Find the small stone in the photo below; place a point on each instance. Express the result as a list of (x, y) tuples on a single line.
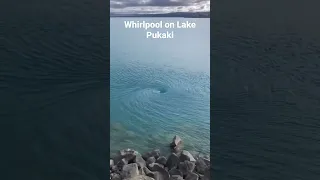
[(175, 172), (172, 161), (130, 171), (192, 176), (186, 156), (155, 167), (162, 160), (186, 167), (176, 177)]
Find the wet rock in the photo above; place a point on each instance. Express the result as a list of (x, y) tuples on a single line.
[(186, 156), (176, 141), (192, 176), (128, 154), (186, 167), (130, 171), (161, 175), (201, 166), (207, 174), (155, 153), (206, 159), (176, 144), (155, 167), (140, 177), (122, 163), (172, 161), (175, 172), (111, 163), (114, 168), (176, 177), (115, 176), (140, 161), (141, 171), (146, 155), (148, 172), (162, 160), (151, 160)]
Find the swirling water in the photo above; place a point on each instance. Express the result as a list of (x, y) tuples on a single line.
[(160, 88)]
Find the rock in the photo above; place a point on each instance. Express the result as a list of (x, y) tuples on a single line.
[(146, 155), (141, 171), (206, 159), (141, 177), (161, 175), (115, 168), (207, 174), (115, 177), (130, 171), (155, 153), (162, 160), (151, 160), (148, 172), (186, 156), (176, 144), (176, 141), (176, 177), (201, 166), (140, 161), (192, 176), (128, 154), (175, 172), (155, 167), (201, 177), (122, 163), (186, 167), (172, 161), (111, 163)]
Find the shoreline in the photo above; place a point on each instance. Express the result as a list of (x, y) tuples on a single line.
[(180, 164)]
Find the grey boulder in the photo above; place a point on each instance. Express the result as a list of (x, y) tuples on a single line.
[(173, 161), (130, 171), (186, 156)]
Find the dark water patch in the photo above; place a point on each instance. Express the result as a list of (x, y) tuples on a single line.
[(265, 93), (53, 78)]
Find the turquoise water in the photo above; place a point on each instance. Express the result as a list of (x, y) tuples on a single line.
[(160, 87)]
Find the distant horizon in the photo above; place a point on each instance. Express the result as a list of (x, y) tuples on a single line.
[(164, 14), (134, 8)]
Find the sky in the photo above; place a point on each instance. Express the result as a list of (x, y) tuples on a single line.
[(158, 6)]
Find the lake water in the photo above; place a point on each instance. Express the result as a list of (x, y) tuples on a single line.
[(160, 87)]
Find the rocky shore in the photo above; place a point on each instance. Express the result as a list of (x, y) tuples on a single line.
[(179, 165)]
